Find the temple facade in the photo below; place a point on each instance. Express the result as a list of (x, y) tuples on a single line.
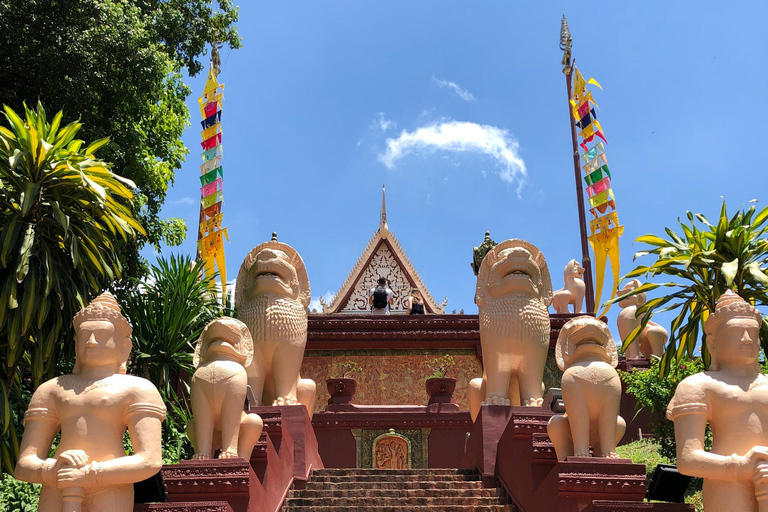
[(393, 351), (382, 257)]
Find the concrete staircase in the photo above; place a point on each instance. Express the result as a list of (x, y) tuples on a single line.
[(377, 490)]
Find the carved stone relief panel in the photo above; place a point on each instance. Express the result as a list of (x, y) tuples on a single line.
[(391, 451), (383, 264)]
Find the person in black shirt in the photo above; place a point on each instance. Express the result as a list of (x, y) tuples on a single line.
[(415, 303)]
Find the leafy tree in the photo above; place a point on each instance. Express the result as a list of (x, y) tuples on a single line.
[(704, 262), (60, 214), (168, 312), (117, 64)]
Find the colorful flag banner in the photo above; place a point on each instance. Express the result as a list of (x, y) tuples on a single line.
[(216, 197), (207, 190), (596, 163), (212, 211), (599, 187), (598, 149), (582, 106), (586, 120), (211, 142), (211, 234), (211, 164), (210, 224), (211, 120), (579, 84), (208, 177), (605, 244), (604, 227), (210, 132), (212, 249), (597, 175), (208, 154)]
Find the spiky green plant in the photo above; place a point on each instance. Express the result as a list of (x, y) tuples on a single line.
[(61, 210), (704, 262), (168, 312)]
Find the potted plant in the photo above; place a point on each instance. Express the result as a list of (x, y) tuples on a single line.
[(440, 388), (343, 388)]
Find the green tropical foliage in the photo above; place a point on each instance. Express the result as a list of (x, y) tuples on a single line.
[(16, 496), (61, 211), (703, 262), (168, 312), (654, 394), (118, 65)]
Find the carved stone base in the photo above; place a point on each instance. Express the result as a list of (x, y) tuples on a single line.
[(596, 478), (201, 481), (543, 450), (202, 506), (294, 420), (483, 441)]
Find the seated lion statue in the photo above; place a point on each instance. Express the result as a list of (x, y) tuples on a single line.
[(514, 291), (271, 297)]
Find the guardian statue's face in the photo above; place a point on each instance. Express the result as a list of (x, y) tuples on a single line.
[(272, 272), (99, 343)]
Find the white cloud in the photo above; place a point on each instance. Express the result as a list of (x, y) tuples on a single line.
[(382, 123), (315, 303), (460, 136), (358, 143), (184, 200), (461, 93)]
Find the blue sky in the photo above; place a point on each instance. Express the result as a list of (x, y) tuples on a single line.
[(321, 90)]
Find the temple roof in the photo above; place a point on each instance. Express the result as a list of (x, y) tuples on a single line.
[(382, 257)]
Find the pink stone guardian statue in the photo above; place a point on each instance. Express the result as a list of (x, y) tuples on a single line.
[(573, 289), (591, 388), (514, 291), (218, 391), (272, 297), (652, 340), (733, 397), (92, 408)]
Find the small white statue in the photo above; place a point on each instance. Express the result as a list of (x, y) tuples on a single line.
[(572, 292), (591, 391), (218, 390), (652, 340), (513, 294)]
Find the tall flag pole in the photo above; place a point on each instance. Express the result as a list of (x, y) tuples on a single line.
[(604, 228), (565, 45), (211, 234)]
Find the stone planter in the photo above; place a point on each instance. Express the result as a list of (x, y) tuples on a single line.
[(341, 390), (440, 390)]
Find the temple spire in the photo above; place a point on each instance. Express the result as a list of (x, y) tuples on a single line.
[(383, 228)]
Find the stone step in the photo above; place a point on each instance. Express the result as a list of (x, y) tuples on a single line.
[(371, 471), (338, 486), (420, 477), (402, 501), (386, 493), (425, 508)]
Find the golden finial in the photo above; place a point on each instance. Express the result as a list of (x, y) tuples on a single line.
[(383, 228), (215, 58), (565, 45)]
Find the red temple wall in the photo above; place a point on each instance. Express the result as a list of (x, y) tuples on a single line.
[(389, 377)]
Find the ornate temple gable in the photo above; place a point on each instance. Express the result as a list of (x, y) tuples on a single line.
[(382, 257)]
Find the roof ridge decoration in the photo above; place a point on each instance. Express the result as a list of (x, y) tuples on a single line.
[(381, 237)]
